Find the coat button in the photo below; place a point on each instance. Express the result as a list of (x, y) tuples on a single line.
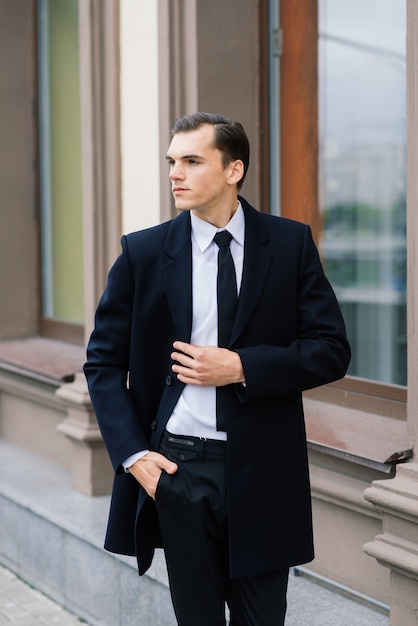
[(153, 425), (168, 380)]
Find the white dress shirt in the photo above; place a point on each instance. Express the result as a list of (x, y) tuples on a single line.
[(195, 411)]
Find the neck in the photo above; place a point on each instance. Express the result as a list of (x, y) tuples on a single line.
[(220, 215)]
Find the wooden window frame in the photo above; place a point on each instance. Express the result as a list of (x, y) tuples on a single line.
[(299, 113), (299, 163)]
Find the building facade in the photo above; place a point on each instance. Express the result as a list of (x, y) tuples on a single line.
[(328, 93)]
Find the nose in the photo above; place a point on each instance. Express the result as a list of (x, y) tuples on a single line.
[(176, 171)]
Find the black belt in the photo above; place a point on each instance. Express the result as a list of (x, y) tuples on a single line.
[(197, 447)]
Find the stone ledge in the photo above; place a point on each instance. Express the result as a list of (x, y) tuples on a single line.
[(397, 547), (39, 372), (361, 437), (42, 359)]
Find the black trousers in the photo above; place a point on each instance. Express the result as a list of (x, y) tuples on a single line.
[(191, 507)]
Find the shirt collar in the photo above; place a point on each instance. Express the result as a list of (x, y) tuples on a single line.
[(203, 232)]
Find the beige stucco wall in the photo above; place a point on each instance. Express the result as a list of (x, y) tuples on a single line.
[(228, 71), (18, 176), (177, 58)]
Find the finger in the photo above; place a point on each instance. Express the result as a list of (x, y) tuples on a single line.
[(185, 365), (180, 345), (171, 468), (182, 358), (184, 372), (166, 465), (190, 381), (186, 348)]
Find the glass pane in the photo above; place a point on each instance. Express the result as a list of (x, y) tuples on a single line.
[(362, 65), (60, 139)]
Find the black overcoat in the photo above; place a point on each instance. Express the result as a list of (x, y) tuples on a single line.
[(290, 336)]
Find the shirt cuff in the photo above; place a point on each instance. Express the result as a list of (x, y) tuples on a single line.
[(133, 459)]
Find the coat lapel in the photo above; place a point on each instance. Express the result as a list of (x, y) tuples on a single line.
[(257, 261), (177, 274)]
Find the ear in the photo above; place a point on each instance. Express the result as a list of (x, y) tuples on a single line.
[(235, 172)]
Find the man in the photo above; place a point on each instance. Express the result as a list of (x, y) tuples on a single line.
[(229, 501)]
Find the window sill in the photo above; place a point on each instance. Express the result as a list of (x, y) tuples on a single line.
[(374, 436), (360, 435), (45, 360)]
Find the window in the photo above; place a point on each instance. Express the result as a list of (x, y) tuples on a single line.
[(343, 163), (362, 137), (60, 165)]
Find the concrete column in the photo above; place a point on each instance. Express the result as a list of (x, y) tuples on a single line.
[(397, 499), (397, 547), (209, 61), (91, 471), (100, 145)]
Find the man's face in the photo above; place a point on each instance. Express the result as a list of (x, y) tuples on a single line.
[(199, 182)]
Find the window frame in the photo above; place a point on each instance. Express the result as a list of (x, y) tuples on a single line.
[(100, 161), (299, 164), (69, 332)]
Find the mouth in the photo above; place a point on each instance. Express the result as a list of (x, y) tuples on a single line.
[(178, 189)]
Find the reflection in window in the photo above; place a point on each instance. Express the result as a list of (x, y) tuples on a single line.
[(362, 65)]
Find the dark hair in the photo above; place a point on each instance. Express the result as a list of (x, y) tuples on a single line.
[(229, 137)]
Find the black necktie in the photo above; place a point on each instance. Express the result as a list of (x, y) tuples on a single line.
[(227, 304)]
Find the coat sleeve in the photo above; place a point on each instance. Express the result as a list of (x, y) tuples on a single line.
[(107, 366), (319, 354)]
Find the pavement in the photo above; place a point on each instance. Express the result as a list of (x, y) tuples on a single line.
[(21, 605), (310, 603)]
